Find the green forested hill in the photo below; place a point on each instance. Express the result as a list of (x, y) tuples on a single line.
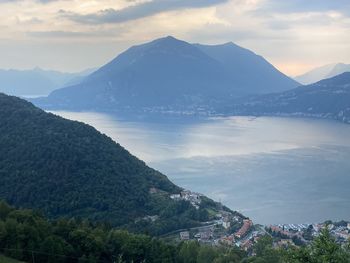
[(67, 168)]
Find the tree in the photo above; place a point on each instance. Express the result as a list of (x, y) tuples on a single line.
[(323, 249), (206, 254), (188, 252)]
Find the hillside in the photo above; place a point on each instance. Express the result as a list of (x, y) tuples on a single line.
[(67, 168), (329, 98), (168, 74), (251, 72)]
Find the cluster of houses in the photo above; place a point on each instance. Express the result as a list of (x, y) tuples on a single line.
[(192, 197), (203, 234), (225, 219), (219, 233), (288, 233), (238, 238)]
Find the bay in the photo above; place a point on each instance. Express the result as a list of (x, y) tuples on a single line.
[(274, 170)]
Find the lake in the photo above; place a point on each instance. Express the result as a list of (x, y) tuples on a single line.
[(274, 170)]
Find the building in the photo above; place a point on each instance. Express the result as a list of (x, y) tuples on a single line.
[(205, 235), (244, 229), (246, 245), (226, 223), (229, 240), (175, 196), (185, 235)]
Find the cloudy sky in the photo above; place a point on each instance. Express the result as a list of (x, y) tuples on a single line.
[(72, 35)]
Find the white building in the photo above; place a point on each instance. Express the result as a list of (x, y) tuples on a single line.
[(226, 224), (185, 235)]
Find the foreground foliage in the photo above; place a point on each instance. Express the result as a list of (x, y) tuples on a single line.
[(323, 249), (25, 235)]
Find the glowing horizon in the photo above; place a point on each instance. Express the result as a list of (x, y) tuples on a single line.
[(74, 35)]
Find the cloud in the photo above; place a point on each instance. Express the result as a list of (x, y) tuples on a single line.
[(58, 34), (302, 6), (40, 1), (136, 11), (75, 34)]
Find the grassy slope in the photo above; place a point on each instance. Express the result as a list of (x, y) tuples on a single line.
[(4, 259)]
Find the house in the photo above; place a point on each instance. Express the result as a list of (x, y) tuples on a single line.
[(151, 218), (185, 235), (206, 235), (226, 222), (244, 229), (229, 240), (236, 218), (246, 245), (153, 190), (226, 225), (175, 196)]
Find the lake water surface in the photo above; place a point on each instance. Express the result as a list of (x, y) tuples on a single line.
[(274, 170)]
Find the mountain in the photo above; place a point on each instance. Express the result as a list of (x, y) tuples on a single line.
[(36, 82), (329, 98), (170, 74), (327, 71), (339, 69), (67, 168), (251, 72)]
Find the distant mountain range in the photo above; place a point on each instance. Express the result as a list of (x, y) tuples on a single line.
[(37, 82), (68, 169), (323, 72), (173, 75), (329, 98)]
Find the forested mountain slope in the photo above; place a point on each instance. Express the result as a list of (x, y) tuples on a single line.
[(67, 168)]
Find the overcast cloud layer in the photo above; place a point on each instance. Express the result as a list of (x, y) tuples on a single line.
[(71, 35)]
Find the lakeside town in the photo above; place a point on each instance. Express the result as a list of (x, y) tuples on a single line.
[(230, 229)]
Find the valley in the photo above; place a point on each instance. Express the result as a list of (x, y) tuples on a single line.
[(182, 131)]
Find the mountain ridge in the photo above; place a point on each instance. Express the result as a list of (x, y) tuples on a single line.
[(323, 72), (165, 73), (36, 81), (328, 98)]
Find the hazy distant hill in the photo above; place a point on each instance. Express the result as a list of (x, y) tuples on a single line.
[(323, 72), (36, 82), (329, 98), (174, 75), (67, 168)]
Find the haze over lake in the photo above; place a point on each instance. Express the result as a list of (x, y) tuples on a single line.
[(274, 170)]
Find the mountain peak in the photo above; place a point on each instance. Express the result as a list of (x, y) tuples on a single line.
[(229, 44), (169, 41), (170, 38), (174, 74)]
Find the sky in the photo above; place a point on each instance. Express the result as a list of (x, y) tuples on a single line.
[(73, 35)]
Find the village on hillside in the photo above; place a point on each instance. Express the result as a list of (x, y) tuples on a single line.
[(230, 229), (227, 228)]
